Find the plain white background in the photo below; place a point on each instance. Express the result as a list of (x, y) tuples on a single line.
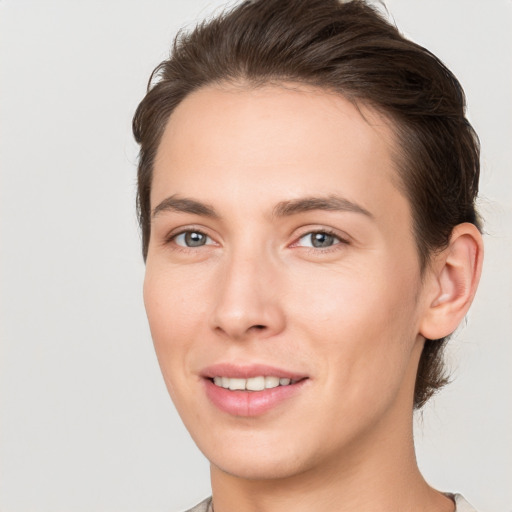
[(86, 424)]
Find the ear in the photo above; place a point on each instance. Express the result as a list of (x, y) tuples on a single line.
[(452, 278)]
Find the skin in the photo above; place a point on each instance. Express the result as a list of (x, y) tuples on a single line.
[(350, 316)]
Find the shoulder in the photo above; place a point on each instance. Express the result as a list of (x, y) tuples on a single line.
[(204, 506), (461, 505)]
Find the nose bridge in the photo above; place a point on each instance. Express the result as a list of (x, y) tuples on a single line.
[(246, 299)]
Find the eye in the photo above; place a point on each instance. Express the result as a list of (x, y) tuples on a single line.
[(319, 240), (192, 239)]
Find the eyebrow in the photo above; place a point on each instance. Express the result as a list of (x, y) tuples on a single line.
[(282, 209), (329, 203), (185, 205)]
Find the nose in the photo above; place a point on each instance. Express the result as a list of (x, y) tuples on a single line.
[(248, 300)]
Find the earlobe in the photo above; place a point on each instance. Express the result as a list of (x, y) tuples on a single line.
[(455, 274)]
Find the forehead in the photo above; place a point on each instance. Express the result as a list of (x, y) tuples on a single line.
[(273, 140)]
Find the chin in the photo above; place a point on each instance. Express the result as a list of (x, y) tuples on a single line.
[(269, 468), (264, 457)]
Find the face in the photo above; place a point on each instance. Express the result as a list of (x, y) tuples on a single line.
[(282, 285)]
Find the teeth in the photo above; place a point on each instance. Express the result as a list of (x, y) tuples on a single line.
[(253, 384), (235, 384), (271, 382)]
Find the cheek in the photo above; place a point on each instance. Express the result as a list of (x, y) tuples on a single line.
[(172, 321), (354, 297), (363, 324), (173, 298)]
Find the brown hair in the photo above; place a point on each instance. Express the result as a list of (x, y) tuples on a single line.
[(348, 48)]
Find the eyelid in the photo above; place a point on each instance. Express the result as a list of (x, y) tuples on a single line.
[(341, 236), (171, 236), (207, 240)]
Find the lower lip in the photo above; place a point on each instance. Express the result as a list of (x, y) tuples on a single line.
[(250, 403)]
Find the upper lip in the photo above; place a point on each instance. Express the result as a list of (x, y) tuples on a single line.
[(247, 371)]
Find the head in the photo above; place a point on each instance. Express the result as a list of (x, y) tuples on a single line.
[(347, 49)]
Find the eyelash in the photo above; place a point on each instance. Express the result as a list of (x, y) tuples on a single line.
[(171, 239), (322, 250)]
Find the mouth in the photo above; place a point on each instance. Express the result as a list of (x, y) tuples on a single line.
[(250, 390)]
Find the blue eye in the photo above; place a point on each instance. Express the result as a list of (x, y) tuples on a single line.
[(319, 240), (192, 239)]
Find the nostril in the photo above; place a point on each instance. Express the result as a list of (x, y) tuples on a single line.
[(259, 327)]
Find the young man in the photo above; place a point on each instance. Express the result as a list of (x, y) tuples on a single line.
[(307, 181)]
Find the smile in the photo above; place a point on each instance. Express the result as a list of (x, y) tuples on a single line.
[(251, 390), (253, 384)]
